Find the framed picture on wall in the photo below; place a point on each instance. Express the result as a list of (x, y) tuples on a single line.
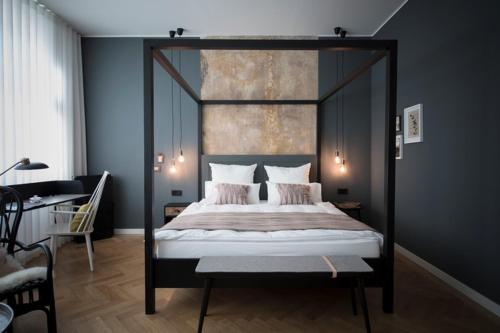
[(413, 124), (399, 147), (398, 123)]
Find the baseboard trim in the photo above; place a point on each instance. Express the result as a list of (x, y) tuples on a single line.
[(138, 231), (451, 281)]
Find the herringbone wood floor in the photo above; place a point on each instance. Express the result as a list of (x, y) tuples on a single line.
[(111, 300)]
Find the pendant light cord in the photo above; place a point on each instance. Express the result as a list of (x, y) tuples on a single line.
[(342, 114), (180, 104), (337, 102), (172, 103)]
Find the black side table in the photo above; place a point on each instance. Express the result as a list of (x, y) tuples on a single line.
[(172, 209), (350, 208)]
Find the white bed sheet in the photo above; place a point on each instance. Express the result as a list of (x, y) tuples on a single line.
[(196, 243)]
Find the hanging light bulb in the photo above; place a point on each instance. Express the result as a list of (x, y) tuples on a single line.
[(337, 157), (173, 169), (343, 168), (181, 158)]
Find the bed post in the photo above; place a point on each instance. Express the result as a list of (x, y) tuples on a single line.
[(200, 148), (390, 175), (148, 176)]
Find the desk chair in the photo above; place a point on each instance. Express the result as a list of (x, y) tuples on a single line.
[(81, 222)]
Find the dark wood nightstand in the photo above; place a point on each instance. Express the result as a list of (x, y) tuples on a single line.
[(350, 208), (173, 209)]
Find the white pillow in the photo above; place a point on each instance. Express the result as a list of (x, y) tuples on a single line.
[(273, 196), (298, 175), (232, 174), (211, 193)]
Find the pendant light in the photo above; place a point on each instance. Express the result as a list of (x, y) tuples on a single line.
[(343, 168), (340, 155), (337, 153), (172, 169), (181, 158)]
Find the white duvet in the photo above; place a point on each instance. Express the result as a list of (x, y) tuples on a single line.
[(195, 243)]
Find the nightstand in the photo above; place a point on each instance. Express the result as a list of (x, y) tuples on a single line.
[(172, 210), (350, 208)]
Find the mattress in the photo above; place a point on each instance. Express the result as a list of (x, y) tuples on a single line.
[(196, 243)]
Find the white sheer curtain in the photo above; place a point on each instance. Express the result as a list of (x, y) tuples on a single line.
[(41, 100)]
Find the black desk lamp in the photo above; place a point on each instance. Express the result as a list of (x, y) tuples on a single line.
[(25, 164)]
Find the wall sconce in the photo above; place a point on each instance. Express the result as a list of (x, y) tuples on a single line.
[(156, 168), (160, 158)]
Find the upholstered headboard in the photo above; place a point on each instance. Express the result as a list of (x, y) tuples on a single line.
[(260, 172)]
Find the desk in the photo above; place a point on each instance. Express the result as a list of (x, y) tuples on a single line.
[(52, 200), (47, 201), (54, 192)]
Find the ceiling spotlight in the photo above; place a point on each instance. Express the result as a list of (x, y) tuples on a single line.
[(340, 32), (180, 31), (172, 33)]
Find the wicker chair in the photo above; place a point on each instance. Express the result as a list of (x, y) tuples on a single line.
[(24, 289)]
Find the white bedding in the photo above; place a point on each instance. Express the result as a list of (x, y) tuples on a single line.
[(196, 243)]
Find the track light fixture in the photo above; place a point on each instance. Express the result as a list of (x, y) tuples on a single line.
[(178, 31), (339, 31)]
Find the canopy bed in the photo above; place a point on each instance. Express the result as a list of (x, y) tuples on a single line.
[(171, 255)]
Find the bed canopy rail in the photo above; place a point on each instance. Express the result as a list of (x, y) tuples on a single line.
[(326, 44), (351, 77), (172, 71), (258, 102), (158, 272)]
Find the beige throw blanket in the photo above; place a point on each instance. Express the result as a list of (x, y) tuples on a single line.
[(243, 221)]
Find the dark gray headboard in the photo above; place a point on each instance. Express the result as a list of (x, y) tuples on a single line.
[(260, 172)]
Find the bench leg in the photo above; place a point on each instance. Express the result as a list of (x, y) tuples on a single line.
[(353, 301), (204, 304), (364, 305)]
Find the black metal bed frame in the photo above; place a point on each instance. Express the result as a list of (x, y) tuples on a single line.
[(179, 273)]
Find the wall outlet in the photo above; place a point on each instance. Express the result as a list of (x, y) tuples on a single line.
[(177, 193), (342, 191)]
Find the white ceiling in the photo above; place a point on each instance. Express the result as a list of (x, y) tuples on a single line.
[(224, 17)]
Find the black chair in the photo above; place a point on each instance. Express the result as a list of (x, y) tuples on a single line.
[(30, 294)]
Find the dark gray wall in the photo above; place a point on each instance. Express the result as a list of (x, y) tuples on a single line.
[(113, 83), (357, 131), (186, 177), (447, 188), (113, 76), (113, 86)]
